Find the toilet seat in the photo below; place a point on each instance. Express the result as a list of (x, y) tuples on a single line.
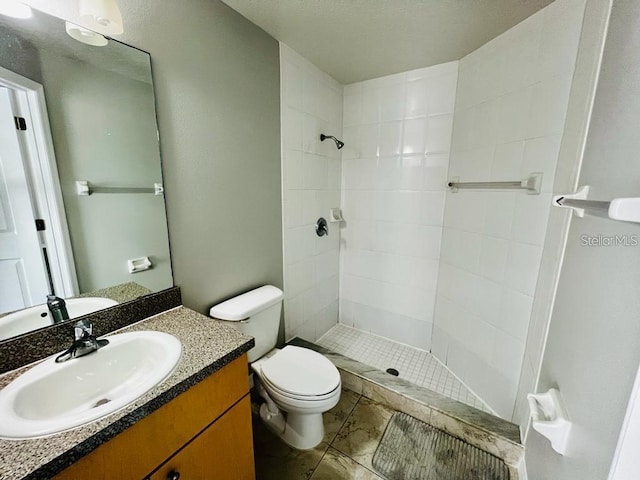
[(288, 395), (300, 373)]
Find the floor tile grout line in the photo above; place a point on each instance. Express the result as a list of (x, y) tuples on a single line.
[(357, 462), (318, 464), (383, 430), (345, 418)]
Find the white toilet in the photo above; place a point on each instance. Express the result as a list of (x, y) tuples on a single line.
[(297, 381)]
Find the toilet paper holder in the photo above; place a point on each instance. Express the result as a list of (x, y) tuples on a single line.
[(550, 418)]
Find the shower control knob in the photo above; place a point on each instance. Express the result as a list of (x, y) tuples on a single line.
[(322, 228)]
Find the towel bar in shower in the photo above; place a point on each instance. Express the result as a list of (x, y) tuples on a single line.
[(531, 184), (622, 209)]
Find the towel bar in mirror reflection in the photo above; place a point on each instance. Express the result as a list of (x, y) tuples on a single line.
[(84, 188)]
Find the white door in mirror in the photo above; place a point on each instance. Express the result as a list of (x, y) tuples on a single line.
[(22, 270), (54, 397)]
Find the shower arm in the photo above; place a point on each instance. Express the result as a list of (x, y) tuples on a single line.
[(339, 144)]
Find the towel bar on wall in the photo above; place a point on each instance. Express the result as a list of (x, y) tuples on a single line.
[(84, 188), (622, 209), (531, 184)]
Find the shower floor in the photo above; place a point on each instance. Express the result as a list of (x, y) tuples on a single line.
[(414, 365)]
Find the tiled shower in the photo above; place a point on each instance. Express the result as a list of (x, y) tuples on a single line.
[(450, 273), (511, 106), (397, 133)]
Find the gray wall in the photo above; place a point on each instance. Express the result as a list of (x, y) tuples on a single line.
[(218, 92), (593, 346), (20, 57), (216, 77)]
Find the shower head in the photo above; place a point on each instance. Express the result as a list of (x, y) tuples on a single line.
[(339, 144)]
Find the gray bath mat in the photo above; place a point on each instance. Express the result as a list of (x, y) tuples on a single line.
[(412, 450)]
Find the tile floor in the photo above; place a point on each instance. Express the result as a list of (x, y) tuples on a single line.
[(353, 429), (415, 365)]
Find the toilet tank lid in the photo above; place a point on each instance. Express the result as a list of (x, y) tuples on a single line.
[(248, 304)]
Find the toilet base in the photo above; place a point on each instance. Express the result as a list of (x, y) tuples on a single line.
[(300, 431)]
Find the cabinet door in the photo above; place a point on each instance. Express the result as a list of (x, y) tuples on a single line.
[(142, 447), (224, 451)]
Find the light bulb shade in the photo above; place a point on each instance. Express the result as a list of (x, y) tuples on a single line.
[(85, 36), (14, 9), (101, 15)]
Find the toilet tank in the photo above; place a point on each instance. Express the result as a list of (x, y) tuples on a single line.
[(255, 313)]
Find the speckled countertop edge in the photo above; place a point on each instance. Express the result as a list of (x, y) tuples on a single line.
[(208, 345)]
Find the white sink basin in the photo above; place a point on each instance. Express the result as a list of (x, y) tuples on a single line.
[(37, 317), (54, 397)]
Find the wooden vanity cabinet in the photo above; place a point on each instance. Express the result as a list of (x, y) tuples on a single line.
[(204, 433), (209, 454)]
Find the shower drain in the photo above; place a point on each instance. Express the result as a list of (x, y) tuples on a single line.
[(101, 402), (393, 371)]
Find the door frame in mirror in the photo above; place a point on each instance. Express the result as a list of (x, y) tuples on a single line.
[(45, 183)]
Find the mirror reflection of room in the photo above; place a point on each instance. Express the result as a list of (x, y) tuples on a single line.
[(82, 209)]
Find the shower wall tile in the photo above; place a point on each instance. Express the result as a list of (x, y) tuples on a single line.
[(394, 170), (312, 103), (511, 105)]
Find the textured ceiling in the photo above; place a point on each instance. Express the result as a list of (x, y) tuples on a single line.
[(354, 40)]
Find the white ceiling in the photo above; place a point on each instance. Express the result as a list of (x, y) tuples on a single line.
[(354, 40)]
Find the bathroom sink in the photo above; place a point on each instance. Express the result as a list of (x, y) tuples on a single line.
[(54, 397), (36, 317)]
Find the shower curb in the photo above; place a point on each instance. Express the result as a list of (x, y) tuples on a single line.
[(485, 431)]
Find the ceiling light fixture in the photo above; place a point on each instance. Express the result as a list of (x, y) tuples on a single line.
[(101, 15), (14, 9), (85, 36)]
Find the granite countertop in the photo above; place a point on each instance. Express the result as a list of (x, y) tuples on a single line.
[(208, 345), (125, 292)]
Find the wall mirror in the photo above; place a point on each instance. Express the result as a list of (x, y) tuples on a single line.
[(82, 210)]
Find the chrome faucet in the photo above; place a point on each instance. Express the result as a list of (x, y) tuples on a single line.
[(84, 342), (58, 309)]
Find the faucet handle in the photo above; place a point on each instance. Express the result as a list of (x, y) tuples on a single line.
[(84, 344), (83, 329), (322, 228)]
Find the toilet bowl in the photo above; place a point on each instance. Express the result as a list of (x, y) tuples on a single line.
[(303, 384), (297, 384)]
